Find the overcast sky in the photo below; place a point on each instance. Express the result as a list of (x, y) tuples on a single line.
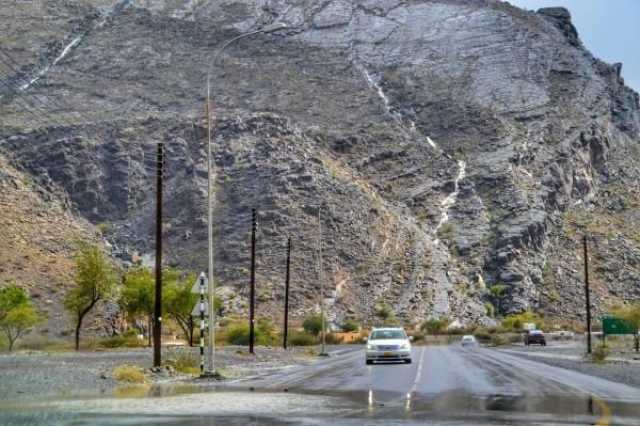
[(610, 29)]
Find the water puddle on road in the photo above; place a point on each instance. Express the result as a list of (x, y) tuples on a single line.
[(191, 404)]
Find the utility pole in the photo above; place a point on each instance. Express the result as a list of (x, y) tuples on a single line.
[(211, 289), (286, 296), (157, 324), (320, 277), (252, 295), (587, 291)]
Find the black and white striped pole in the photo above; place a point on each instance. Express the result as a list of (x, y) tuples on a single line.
[(203, 286)]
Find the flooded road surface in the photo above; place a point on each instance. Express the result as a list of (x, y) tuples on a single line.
[(443, 386)]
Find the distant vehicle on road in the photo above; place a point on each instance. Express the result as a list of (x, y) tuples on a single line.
[(469, 341), (388, 344), (534, 337)]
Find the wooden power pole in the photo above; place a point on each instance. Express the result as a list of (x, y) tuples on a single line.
[(286, 296), (587, 291), (252, 295)]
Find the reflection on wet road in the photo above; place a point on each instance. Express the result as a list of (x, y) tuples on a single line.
[(443, 386)]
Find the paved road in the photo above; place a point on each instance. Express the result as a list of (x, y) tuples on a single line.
[(443, 386), (452, 383)]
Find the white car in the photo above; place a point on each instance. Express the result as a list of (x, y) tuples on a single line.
[(388, 344), (469, 341)]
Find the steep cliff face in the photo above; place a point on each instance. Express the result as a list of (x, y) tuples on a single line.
[(450, 144), (38, 237)]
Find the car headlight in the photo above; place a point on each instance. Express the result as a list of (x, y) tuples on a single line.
[(405, 346), (371, 347)]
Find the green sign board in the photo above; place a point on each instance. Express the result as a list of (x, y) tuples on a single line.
[(613, 325)]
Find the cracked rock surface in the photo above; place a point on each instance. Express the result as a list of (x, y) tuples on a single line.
[(452, 144)]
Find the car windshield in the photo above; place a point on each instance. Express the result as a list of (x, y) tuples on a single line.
[(388, 334)]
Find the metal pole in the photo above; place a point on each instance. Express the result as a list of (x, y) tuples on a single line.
[(252, 296), (320, 277), (587, 291), (286, 296), (157, 324), (211, 290), (202, 323)]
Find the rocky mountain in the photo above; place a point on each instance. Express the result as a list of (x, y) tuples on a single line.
[(445, 145)]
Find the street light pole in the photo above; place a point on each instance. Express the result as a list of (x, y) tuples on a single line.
[(211, 290), (211, 286)]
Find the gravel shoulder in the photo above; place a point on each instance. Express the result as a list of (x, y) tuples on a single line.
[(620, 368), (53, 375)]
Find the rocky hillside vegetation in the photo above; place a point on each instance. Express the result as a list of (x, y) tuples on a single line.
[(451, 145)]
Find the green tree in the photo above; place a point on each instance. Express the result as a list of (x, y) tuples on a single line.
[(497, 292), (138, 296), (95, 280), (313, 324), (17, 315)]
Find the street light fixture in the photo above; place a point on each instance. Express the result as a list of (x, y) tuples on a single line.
[(211, 290)]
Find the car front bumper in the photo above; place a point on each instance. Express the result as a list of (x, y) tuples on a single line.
[(390, 355)]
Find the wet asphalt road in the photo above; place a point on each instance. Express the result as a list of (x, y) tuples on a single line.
[(443, 386)]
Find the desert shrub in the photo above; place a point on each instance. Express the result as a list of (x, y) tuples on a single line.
[(385, 314), (483, 335), (313, 324), (184, 361), (418, 337), (490, 309), (129, 374), (44, 343), (514, 338), (302, 338), (498, 340), (121, 341), (350, 326), (238, 334), (435, 326), (332, 339), (600, 353), (516, 322)]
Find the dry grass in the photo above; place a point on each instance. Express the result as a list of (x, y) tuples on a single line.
[(129, 374), (184, 361)]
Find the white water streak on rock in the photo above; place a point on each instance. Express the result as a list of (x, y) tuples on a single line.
[(376, 86), (46, 69), (451, 199), (432, 143)]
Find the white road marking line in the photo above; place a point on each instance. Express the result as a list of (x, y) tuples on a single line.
[(418, 372)]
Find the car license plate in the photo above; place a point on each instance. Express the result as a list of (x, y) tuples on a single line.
[(387, 354)]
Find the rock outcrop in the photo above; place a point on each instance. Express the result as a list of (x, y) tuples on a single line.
[(451, 144)]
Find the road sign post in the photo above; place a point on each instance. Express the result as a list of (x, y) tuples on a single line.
[(202, 323), (201, 309)]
